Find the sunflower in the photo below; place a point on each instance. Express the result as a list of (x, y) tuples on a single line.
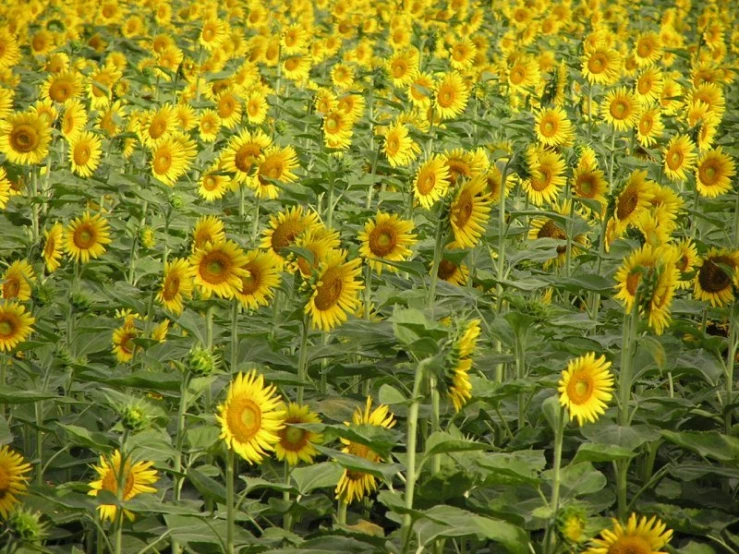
[(213, 185), (432, 181), (229, 109), (10, 53), (634, 198), (711, 95), (297, 67), (335, 292), (686, 256), (588, 181), (553, 128), (176, 285), (53, 247), (585, 387), (647, 536), (469, 212), (261, 277), (218, 268), (251, 417), (337, 130), (24, 138), (243, 153), (123, 345), (458, 387), (462, 54), (547, 175), (15, 325), (13, 481), (137, 478), (494, 179), (648, 49), (401, 66), (296, 443), (713, 173), (620, 109), (420, 89), (172, 158), (17, 281), (355, 485), (649, 86), (465, 164), (158, 125), (649, 129), (717, 275), (209, 125), (277, 164), (387, 237), (256, 108), (285, 228), (398, 146), (74, 118), (84, 153), (601, 65), (451, 272), (679, 157), (6, 188), (86, 237), (524, 74), (547, 228), (450, 96), (61, 87), (352, 105), (213, 34), (6, 102), (208, 229)]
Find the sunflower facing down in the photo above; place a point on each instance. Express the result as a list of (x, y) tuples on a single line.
[(645, 536), (261, 277), (285, 227), (13, 481), (251, 417), (335, 293), (717, 275), (53, 247), (355, 485), (24, 138), (176, 285), (469, 212), (458, 386), (387, 237), (137, 478), (296, 444), (218, 268), (585, 387), (86, 237)]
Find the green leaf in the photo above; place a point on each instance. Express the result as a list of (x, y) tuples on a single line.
[(357, 463), (379, 439), (655, 349), (581, 479), (589, 452), (512, 468), (587, 281), (441, 442), (316, 476), (208, 487), (80, 435), (710, 444), (631, 438), (10, 395), (390, 395)]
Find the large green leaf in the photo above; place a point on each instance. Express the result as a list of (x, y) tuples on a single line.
[(709, 444)]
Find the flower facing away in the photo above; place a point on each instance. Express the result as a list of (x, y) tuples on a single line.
[(137, 478), (470, 211), (459, 388), (355, 485), (642, 536), (12, 475), (585, 387), (53, 247), (296, 444), (251, 417)]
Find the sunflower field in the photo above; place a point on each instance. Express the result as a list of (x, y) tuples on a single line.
[(369, 276)]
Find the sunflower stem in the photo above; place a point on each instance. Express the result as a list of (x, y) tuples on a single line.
[(438, 244), (330, 203), (121, 479), (179, 436), (38, 409), (559, 432), (624, 390), (341, 513), (288, 520), (435, 418), (520, 367), (302, 359), (230, 504), (730, 362), (499, 369), (255, 223), (410, 480), (234, 335)]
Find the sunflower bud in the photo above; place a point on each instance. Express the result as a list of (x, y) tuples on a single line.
[(134, 418), (146, 236), (44, 293), (81, 300), (176, 201), (571, 525), (202, 361), (64, 355), (26, 525)]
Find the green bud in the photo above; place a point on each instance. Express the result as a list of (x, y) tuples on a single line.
[(202, 361), (26, 525), (134, 418)]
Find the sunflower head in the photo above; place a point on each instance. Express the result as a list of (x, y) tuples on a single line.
[(296, 443), (13, 480), (639, 536), (585, 387)]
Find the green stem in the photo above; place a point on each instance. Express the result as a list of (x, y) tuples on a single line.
[(341, 513), (288, 521), (438, 245), (255, 223), (499, 369), (134, 243), (549, 540), (435, 420), (38, 408), (302, 361), (121, 479), (179, 439), (330, 203), (230, 504), (730, 363), (520, 370), (410, 480), (631, 320), (234, 335), (367, 290)]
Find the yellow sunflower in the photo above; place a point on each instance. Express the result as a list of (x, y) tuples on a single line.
[(355, 485), (687, 258), (256, 108), (229, 109), (432, 181), (123, 346), (421, 88), (24, 138), (284, 228), (629, 276), (387, 237), (176, 285), (243, 153), (713, 173), (209, 125), (649, 128), (645, 536), (398, 146), (337, 129), (649, 86), (546, 227), (524, 74), (401, 66), (86, 237), (53, 247), (251, 417), (208, 229), (601, 65), (172, 158), (450, 95), (137, 478), (74, 118), (213, 185), (10, 53), (679, 157), (469, 212), (13, 481), (276, 164), (717, 275), (547, 175), (620, 109), (15, 325), (319, 241), (218, 268), (585, 388), (84, 153), (634, 199), (157, 126), (588, 181), (456, 274), (17, 281), (336, 291), (553, 128), (296, 443), (61, 87), (458, 387), (648, 49), (261, 277)]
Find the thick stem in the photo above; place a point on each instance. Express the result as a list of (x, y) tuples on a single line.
[(179, 438), (341, 513), (624, 392), (330, 203), (302, 361), (730, 363), (39, 442), (230, 502), (520, 370), (499, 369), (288, 520), (234, 335), (255, 223), (435, 420), (438, 245), (121, 479), (410, 479), (549, 541)]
